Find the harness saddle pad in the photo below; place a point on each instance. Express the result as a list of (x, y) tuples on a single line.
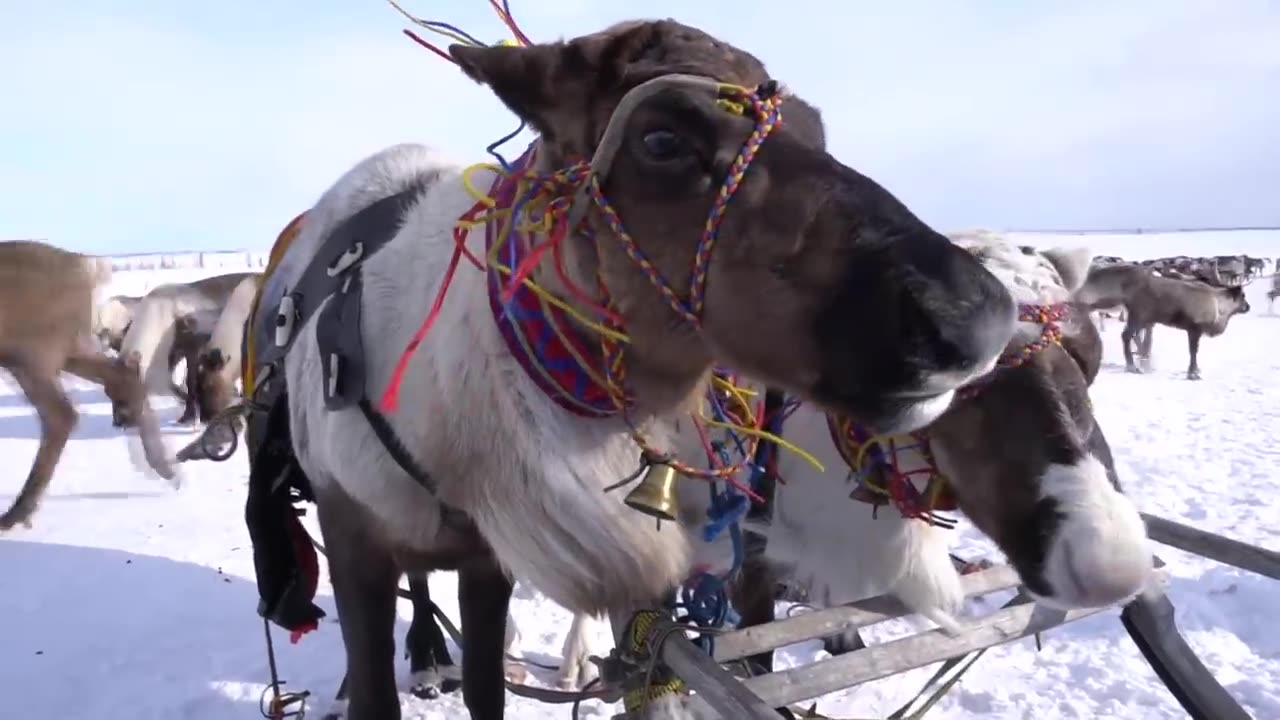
[(284, 559), (332, 272)]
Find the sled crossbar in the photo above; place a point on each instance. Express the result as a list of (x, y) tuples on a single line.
[(720, 694)]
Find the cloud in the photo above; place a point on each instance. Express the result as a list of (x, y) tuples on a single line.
[(145, 127)]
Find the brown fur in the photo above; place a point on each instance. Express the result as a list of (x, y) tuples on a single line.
[(46, 301), (188, 341), (1003, 435), (1041, 409), (211, 386)]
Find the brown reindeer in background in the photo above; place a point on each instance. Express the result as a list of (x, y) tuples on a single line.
[(46, 327)]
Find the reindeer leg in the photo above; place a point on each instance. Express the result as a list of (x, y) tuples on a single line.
[(1144, 347), (190, 402), (484, 596), (1193, 347), (430, 666), (753, 598), (1126, 338), (103, 370), (57, 420), (576, 668), (364, 576)]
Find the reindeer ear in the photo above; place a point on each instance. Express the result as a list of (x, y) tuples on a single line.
[(521, 77), (1072, 264)]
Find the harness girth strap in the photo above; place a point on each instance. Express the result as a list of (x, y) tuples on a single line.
[(449, 515), (387, 436)]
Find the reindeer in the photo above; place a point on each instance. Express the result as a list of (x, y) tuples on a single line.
[(191, 334), (1198, 308), (822, 283), (1254, 267), (46, 327), (150, 336), (112, 322), (217, 366)]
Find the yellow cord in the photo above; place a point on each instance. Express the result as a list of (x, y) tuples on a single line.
[(739, 397)]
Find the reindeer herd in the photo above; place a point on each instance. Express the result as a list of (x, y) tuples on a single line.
[(1196, 295)]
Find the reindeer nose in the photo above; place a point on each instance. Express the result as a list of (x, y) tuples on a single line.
[(967, 314)]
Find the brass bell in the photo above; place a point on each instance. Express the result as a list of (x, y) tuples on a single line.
[(656, 494)]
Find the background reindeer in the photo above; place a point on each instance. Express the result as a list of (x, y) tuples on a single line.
[(46, 327), (150, 338), (1196, 307)]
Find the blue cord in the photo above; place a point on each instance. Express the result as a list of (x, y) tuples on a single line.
[(438, 25), (492, 148), (511, 250)]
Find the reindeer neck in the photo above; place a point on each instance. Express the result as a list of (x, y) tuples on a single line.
[(666, 367)]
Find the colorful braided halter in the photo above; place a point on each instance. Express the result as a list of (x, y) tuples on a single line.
[(535, 324)]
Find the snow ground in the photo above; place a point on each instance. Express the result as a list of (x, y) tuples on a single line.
[(142, 599)]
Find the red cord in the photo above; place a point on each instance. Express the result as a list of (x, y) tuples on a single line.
[(390, 400), (429, 46)]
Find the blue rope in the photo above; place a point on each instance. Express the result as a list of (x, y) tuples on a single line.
[(492, 148), (705, 597)]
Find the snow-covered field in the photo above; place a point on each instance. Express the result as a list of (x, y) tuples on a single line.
[(128, 600)]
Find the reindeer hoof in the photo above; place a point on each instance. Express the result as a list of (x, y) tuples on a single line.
[(1133, 369), (13, 518), (1193, 375), (425, 692), (432, 683)]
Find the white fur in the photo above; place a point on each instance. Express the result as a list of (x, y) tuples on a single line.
[(838, 550), (820, 539), (529, 474), (337, 710), (1045, 277), (228, 331), (151, 334), (113, 316), (1101, 554), (576, 668)]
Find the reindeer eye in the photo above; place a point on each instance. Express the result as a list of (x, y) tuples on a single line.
[(663, 144)]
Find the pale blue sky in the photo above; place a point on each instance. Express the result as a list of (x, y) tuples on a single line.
[(143, 125)]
